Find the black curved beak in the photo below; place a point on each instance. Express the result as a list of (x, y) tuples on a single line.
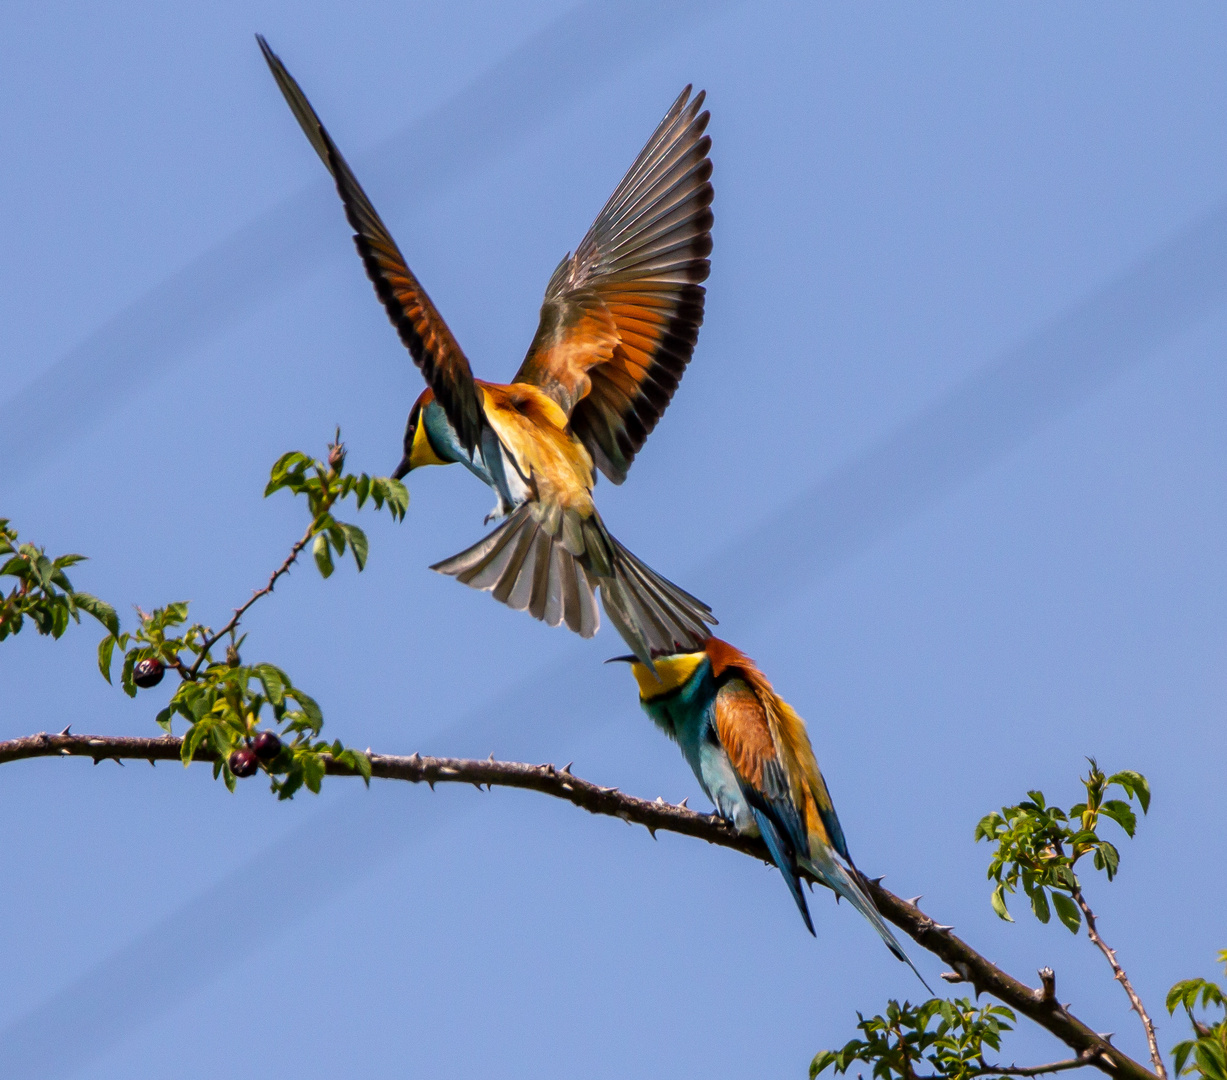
[(402, 469), (623, 660)]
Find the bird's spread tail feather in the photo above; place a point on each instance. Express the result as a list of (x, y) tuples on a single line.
[(548, 562), (528, 569), (832, 874), (652, 615)]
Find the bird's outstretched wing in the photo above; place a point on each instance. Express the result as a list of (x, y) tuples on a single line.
[(421, 328), (621, 316)]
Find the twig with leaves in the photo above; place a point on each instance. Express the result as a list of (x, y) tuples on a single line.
[(223, 700), (1039, 845), (41, 591)]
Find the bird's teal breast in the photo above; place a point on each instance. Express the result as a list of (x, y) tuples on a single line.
[(686, 717), (446, 444)]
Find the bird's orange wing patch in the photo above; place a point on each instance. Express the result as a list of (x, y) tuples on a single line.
[(741, 726), (791, 741), (622, 315)]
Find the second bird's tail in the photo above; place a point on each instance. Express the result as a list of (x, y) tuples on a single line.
[(549, 561), (833, 874)]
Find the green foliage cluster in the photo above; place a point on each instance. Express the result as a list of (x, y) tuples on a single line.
[(41, 591), (1039, 845), (326, 484), (950, 1036), (224, 700), (1205, 1055)]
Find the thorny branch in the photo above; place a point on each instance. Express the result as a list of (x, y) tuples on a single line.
[(1040, 1005), (1031, 1070), (1118, 972), (239, 612)]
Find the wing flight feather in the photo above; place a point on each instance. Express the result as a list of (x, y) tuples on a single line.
[(621, 316), (420, 326)]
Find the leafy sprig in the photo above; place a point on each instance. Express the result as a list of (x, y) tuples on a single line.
[(224, 701), (950, 1036), (41, 591), (1206, 1054), (326, 484), (1039, 845)]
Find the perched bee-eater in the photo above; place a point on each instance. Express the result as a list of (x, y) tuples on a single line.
[(752, 756), (618, 326)]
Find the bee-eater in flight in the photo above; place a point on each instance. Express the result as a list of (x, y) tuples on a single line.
[(752, 756), (618, 326)]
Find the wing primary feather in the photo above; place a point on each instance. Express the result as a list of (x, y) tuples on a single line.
[(418, 323)]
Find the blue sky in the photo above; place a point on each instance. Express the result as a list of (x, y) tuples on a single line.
[(949, 463)]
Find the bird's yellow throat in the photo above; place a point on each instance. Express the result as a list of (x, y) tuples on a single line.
[(671, 672), (422, 453)]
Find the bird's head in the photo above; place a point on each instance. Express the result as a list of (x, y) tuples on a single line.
[(419, 450), (671, 672)]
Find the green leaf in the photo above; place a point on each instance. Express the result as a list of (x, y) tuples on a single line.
[(823, 1060), (1107, 858), (323, 557), (163, 720), (106, 649), (1135, 784), (99, 609), (274, 682), (1122, 813), (310, 707), (998, 902), (357, 544), (1067, 911), (398, 498), (313, 771), (129, 663), (336, 534), (1039, 905)]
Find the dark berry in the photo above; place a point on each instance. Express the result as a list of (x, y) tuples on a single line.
[(148, 672), (267, 746), (243, 762)]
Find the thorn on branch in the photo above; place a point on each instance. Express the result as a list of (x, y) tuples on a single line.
[(915, 900), (1047, 994)]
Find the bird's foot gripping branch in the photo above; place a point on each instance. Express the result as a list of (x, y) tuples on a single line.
[(251, 717)]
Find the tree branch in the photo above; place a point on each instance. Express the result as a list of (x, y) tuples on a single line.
[(239, 612), (1031, 1070), (1040, 1005), (1118, 972)]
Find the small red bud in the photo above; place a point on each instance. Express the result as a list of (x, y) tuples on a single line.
[(243, 762), (148, 672), (336, 456), (267, 746)]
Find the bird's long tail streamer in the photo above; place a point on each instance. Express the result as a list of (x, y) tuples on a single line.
[(832, 874)]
